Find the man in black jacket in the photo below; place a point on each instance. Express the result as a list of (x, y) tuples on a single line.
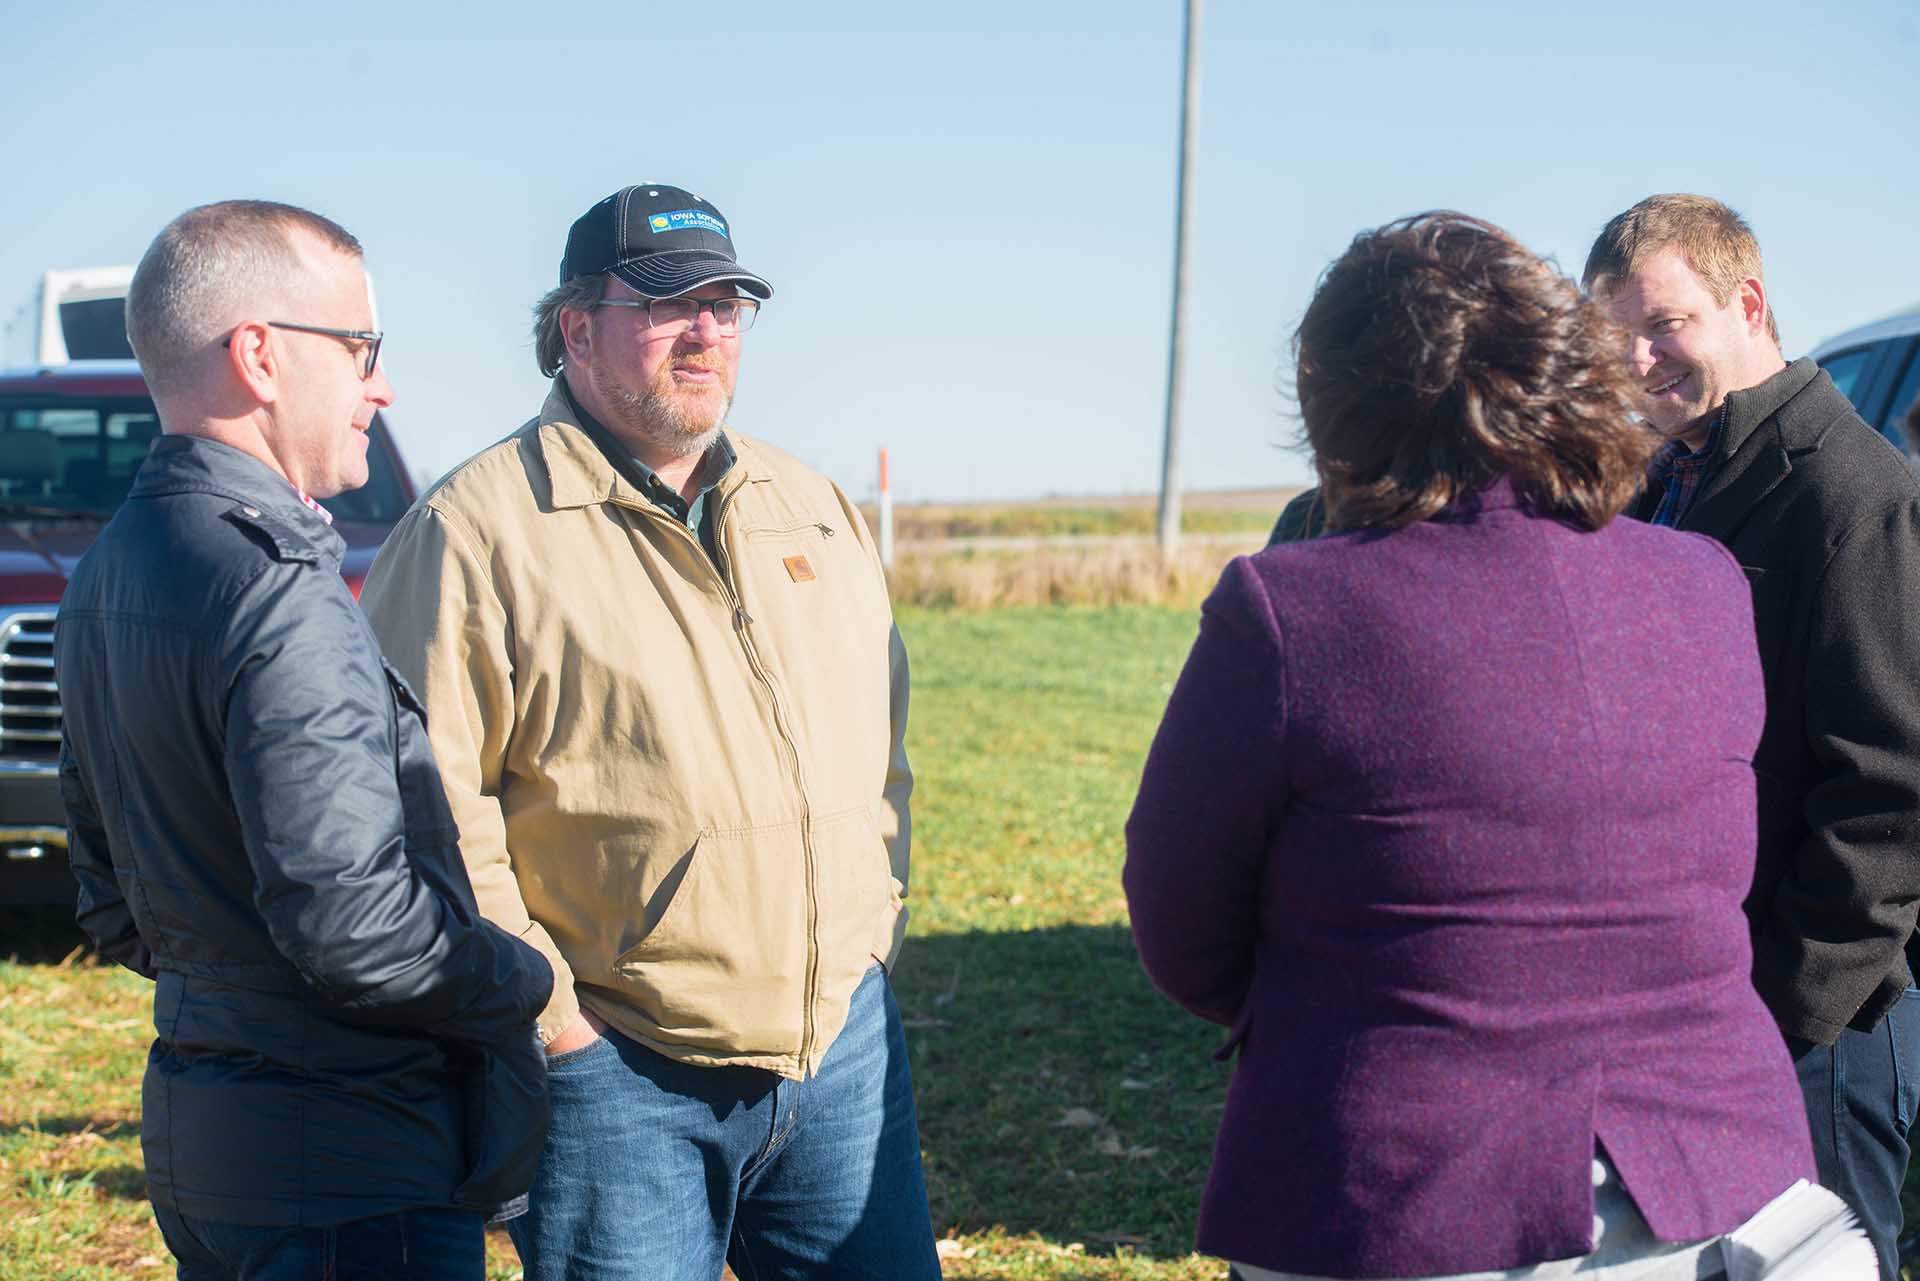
[(345, 1078), (1770, 459)]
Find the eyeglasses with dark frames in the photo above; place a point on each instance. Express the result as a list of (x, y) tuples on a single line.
[(371, 337), (677, 315)]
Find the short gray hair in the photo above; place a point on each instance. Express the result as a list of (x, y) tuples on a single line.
[(549, 344), (205, 269)]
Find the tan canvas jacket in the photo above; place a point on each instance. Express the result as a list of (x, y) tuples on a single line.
[(686, 786)]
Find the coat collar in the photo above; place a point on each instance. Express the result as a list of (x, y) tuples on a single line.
[(1756, 453), (580, 475), (183, 464), (1496, 495)]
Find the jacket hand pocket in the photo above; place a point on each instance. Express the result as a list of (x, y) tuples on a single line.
[(505, 1093), (860, 904), (723, 967)]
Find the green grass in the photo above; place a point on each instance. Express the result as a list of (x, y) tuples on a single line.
[(1066, 1110), (73, 1042), (1062, 1102)]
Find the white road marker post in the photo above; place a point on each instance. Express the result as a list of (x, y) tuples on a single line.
[(886, 514)]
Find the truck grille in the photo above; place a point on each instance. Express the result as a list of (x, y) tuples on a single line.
[(29, 700)]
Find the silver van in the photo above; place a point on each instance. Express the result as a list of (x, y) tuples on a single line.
[(1877, 367)]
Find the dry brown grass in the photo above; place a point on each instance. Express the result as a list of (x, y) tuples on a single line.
[(1094, 573), (1204, 512)]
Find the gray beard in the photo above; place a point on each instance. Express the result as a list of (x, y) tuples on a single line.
[(655, 419)]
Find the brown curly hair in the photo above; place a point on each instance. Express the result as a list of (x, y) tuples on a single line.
[(1438, 355)]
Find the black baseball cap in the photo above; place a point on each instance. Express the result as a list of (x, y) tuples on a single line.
[(659, 240)]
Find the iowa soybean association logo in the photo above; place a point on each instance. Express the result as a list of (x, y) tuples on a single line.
[(686, 220)]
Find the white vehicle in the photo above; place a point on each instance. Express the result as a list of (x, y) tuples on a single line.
[(1877, 367), (76, 314)]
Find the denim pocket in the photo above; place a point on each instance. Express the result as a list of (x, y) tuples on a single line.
[(570, 1057), (1903, 1033)]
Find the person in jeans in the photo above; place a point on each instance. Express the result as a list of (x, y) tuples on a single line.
[(345, 1079), (1452, 811), (1823, 516), (665, 687)]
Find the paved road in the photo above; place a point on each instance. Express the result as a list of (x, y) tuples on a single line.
[(1030, 543)]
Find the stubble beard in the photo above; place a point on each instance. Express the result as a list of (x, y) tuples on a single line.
[(671, 425)]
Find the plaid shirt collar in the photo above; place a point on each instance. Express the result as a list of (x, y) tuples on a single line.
[(1680, 472)]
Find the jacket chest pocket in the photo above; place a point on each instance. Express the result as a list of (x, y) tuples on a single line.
[(794, 530), (429, 819), (813, 565), (795, 551)]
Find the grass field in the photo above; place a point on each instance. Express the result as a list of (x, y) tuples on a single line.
[(1102, 573), (1066, 1111)]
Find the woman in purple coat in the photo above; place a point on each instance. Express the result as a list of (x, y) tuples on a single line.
[(1452, 813)]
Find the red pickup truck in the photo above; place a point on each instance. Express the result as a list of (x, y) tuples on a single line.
[(71, 438)]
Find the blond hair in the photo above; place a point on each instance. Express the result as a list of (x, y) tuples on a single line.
[(1717, 243)]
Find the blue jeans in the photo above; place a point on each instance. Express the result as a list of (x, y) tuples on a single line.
[(654, 1168), (1860, 1095), (415, 1245)]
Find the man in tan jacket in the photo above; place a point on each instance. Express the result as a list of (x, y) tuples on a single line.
[(668, 700)]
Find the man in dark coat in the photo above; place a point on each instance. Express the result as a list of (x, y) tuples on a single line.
[(1770, 459), (1302, 519), (346, 1077)]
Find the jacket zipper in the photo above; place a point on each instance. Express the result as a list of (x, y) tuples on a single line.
[(741, 619)]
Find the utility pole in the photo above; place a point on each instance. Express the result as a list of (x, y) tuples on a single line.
[(1170, 454)]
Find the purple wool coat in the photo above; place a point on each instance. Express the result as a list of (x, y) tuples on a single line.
[(1452, 826)]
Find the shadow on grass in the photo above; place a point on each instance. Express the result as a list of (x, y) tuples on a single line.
[(43, 936), (1057, 1092), (61, 1126), (122, 1182), (128, 1182), (65, 1160)]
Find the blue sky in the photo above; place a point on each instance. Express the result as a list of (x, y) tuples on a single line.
[(966, 213)]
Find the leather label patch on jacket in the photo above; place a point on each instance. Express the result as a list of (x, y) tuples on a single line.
[(798, 569)]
